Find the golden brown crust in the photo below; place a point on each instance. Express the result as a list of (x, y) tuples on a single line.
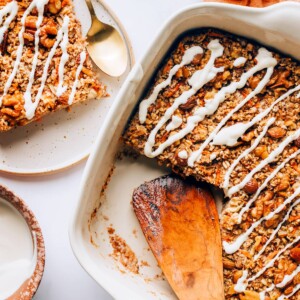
[(286, 75)]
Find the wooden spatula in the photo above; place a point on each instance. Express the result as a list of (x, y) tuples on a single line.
[(253, 3), (179, 219)]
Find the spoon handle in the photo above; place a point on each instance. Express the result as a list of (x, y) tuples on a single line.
[(91, 8)]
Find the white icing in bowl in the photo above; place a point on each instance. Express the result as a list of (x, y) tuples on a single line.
[(18, 250)]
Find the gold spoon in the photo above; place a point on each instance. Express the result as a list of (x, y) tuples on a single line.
[(106, 46)]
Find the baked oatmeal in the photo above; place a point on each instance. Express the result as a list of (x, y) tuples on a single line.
[(44, 66), (226, 110)]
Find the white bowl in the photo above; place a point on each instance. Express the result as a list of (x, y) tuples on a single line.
[(28, 289), (276, 26)]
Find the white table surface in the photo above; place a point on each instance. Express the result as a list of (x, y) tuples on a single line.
[(52, 197)]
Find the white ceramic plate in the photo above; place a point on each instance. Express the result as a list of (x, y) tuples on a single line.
[(276, 26), (63, 138)]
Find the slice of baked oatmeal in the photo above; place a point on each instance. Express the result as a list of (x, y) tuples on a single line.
[(226, 110), (44, 65)]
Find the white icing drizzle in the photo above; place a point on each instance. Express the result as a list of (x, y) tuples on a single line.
[(213, 156), (262, 295), (272, 156), (183, 154), (229, 135), (288, 278), (40, 9), (239, 61), (264, 60), (197, 81), (296, 289), (264, 185), (63, 60), (62, 40), (10, 9), (30, 106), (79, 69), (175, 123), (245, 153), (276, 230), (186, 59), (34, 4), (231, 248), (243, 282)]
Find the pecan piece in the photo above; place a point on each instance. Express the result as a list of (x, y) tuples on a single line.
[(295, 254), (297, 142), (251, 186), (282, 80), (3, 45), (250, 295), (276, 132), (54, 6), (261, 151), (192, 102), (30, 22), (284, 184), (10, 112), (197, 59), (228, 264), (28, 35)]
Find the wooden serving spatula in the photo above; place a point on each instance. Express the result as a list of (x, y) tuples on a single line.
[(253, 3), (180, 221)]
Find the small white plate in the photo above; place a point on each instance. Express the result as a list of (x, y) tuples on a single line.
[(63, 138)]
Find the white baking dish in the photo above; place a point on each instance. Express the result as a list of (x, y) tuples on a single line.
[(276, 26)]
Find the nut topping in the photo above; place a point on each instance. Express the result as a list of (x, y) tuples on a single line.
[(251, 187), (276, 132), (297, 142), (295, 254)]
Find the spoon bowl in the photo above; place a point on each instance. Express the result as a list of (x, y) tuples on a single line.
[(106, 46)]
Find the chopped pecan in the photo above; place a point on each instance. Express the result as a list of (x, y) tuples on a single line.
[(87, 71), (197, 59), (167, 67), (28, 35), (3, 45), (295, 254), (284, 184), (228, 264), (261, 151), (10, 112), (282, 80), (276, 132), (171, 91), (297, 142), (54, 6), (254, 81), (288, 290), (250, 295), (48, 33), (30, 22), (248, 136), (251, 186), (237, 275), (191, 103)]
